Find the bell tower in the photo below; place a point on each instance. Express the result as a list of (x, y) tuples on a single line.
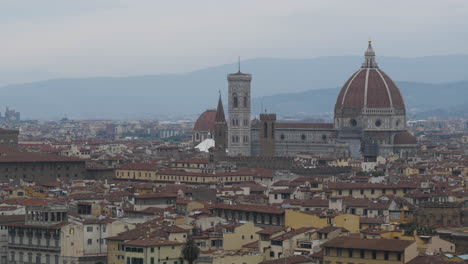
[(239, 114)]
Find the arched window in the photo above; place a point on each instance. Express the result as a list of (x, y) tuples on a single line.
[(235, 100), (265, 130)]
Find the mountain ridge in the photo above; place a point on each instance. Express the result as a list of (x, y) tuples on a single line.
[(158, 96)]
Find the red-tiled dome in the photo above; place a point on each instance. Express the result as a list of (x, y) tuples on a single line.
[(369, 87), (206, 121), (404, 138)]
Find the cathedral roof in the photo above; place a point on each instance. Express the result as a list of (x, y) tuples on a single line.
[(369, 87), (205, 121)]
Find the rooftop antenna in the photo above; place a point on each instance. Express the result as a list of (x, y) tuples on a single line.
[(238, 64)]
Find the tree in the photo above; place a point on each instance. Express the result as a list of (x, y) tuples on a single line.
[(190, 251)]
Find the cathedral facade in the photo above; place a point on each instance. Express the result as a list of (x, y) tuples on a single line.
[(369, 121)]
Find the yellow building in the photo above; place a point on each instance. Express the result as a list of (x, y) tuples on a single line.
[(426, 244), (176, 176), (236, 237), (368, 190), (296, 219), (152, 251), (266, 234), (285, 244), (228, 237), (368, 251)]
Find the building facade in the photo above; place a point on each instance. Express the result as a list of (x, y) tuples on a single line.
[(38, 238)]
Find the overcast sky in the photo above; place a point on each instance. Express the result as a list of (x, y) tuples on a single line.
[(41, 39)]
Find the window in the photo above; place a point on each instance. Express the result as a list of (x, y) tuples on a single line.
[(235, 100), (327, 251), (362, 253), (374, 254), (90, 241), (89, 229), (265, 130), (386, 255), (353, 122), (378, 123), (245, 101), (399, 256), (350, 253), (339, 252), (395, 215)]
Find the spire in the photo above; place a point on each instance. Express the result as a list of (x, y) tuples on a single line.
[(220, 111), (369, 57)]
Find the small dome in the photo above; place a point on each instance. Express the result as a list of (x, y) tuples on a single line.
[(404, 138), (206, 121), (369, 87)]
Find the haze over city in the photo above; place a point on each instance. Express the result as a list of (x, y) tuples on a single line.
[(233, 132), (58, 39)]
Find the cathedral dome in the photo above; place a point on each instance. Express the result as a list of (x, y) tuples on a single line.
[(369, 87), (206, 121)]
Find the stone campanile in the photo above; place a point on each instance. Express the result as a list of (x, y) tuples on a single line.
[(239, 114)]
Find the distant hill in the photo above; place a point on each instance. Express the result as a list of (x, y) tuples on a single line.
[(421, 99), (191, 93)]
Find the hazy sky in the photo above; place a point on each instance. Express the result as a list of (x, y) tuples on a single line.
[(71, 38)]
